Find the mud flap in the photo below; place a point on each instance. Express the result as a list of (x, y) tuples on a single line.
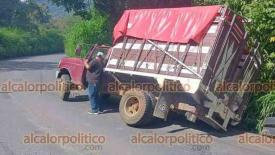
[(163, 106)]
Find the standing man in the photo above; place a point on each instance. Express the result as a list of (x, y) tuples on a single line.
[(93, 75)]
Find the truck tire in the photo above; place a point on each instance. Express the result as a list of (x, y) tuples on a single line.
[(65, 82), (136, 108)]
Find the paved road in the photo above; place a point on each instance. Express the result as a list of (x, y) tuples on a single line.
[(42, 113)]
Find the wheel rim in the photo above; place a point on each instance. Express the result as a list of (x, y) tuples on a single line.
[(132, 106)]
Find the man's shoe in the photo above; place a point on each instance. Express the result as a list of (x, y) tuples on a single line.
[(93, 113), (101, 111)]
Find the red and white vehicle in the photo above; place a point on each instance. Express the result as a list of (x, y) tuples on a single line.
[(196, 49)]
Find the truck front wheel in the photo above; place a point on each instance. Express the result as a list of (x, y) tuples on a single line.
[(136, 108), (64, 89)]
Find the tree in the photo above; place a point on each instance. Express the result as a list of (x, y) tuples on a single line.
[(115, 7), (28, 15), (7, 9), (79, 7), (25, 15)]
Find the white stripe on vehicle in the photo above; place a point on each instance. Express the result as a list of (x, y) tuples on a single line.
[(213, 29), (151, 66), (172, 48), (193, 83)]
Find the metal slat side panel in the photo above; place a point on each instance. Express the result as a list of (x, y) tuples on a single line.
[(220, 34), (148, 61), (226, 51), (154, 56)]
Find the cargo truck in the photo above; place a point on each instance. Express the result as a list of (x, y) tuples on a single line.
[(175, 59)]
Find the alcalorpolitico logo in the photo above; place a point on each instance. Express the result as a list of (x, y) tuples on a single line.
[(169, 139), (248, 138), (80, 138)]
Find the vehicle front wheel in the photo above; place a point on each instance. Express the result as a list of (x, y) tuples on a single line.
[(64, 89), (136, 108)]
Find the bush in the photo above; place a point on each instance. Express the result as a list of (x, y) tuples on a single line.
[(15, 42), (63, 23), (87, 32), (261, 107)]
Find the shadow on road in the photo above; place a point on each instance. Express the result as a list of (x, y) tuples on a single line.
[(80, 98), (111, 105), (13, 65), (178, 119)]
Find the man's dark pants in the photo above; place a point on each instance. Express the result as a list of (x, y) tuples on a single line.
[(93, 96)]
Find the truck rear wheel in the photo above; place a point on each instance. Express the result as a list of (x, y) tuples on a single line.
[(136, 108), (65, 82)]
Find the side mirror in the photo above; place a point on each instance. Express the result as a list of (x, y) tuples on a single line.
[(78, 50)]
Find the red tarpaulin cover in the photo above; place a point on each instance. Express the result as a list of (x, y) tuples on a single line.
[(179, 25)]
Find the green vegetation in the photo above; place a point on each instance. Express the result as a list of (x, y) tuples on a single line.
[(65, 23), (87, 32), (16, 42), (78, 7), (261, 107), (25, 30), (262, 14)]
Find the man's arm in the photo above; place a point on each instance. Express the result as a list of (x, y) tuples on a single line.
[(87, 66)]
